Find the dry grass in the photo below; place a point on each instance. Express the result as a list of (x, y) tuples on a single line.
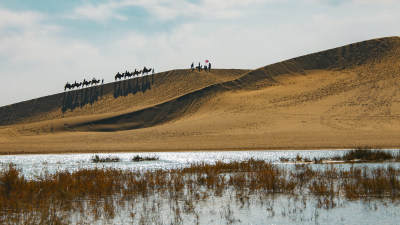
[(357, 155), (97, 159), (367, 154), (140, 158), (101, 192)]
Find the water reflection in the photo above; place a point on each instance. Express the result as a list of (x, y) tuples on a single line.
[(232, 206)]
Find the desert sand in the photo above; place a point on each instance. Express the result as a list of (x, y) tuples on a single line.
[(338, 98)]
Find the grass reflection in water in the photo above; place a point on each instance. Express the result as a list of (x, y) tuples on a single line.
[(89, 195)]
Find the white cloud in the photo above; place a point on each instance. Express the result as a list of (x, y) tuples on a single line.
[(165, 10), (99, 13), (358, 2), (26, 37), (205, 9), (10, 19), (378, 2), (103, 12), (36, 58)]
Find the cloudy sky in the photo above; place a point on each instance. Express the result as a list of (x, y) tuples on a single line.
[(45, 43)]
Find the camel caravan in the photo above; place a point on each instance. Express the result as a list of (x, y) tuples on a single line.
[(118, 76), (134, 74), (83, 84)]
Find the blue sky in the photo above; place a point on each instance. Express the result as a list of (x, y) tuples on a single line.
[(45, 43)]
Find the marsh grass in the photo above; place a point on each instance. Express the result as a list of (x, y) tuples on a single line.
[(98, 194), (367, 154), (97, 159), (357, 155), (138, 158)]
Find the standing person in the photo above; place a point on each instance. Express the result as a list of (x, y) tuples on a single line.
[(192, 66), (199, 67), (209, 67)]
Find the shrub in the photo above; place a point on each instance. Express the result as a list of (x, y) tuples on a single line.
[(139, 158), (97, 159), (367, 154)]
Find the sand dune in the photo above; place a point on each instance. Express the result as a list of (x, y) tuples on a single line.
[(338, 98)]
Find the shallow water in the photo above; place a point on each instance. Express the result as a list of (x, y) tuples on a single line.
[(34, 165), (279, 209), (263, 209)]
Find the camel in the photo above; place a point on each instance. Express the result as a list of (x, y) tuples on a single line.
[(137, 72), (145, 70), (85, 83), (128, 75), (118, 76), (95, 82), (67, 85), (77, 85)]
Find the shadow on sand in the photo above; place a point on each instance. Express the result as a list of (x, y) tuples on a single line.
[(82, 97), (79, 98), (132, 86)]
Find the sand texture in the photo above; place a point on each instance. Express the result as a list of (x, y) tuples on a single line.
[(339, 98)]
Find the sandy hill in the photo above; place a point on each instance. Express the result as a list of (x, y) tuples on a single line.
[(338, 98)]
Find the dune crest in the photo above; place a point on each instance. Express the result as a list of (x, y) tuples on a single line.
[(337, 98)]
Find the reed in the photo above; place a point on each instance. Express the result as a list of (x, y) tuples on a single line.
[(359, 154), (138, 158), (97, 159), (103, 191), (367, 154)]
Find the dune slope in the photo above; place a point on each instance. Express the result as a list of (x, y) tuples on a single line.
[(126, 95), (338, 98)]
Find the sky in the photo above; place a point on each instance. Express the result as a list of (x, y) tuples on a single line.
[(46, 43)]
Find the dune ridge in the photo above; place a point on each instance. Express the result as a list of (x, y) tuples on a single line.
[(50, 107), (337, 98), (334, 59)]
